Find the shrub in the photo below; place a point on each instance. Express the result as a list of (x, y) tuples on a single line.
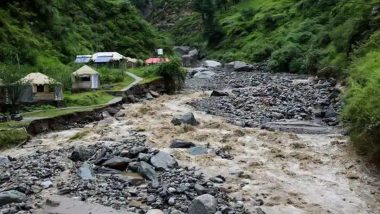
[(286, 58), (362, 111), (247, 13), (173, 75)]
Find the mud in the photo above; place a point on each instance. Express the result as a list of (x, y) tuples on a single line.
[(276, 171)]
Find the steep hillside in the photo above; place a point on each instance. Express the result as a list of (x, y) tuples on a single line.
[(45, 35), (335, 38)]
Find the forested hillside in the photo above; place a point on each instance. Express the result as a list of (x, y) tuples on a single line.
[(45, 35), (331, 38)]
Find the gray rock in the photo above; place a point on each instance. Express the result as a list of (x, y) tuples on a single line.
[(187, 118), (218, 179), (171, 201), (155, 211), (11, 196), (182, 50), (119, 163), (190, 59), (81, 154), (204, 204), (200, 189), (148, 96), (154, 94), (181, 144), (204, 75), (215, 93), (163, 161), (147, 171), (86, 172), (198, 150), (212, 64), (120, 114), (239, 66), (47, 184), (144, 157), (4, 161)]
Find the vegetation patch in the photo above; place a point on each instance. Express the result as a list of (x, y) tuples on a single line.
[(12, 137)]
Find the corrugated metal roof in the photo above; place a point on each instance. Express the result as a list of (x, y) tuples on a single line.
[(113, 55), (103, 59), (83, 59)]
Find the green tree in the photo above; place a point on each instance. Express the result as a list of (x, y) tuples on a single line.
[(211, 29)]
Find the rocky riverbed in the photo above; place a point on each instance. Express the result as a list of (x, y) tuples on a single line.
[(253, 99), (164, 156)]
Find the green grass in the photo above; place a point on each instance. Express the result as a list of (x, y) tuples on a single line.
[(127, 81), (146, 72), (87, 98), (59, 112), (12, 137)]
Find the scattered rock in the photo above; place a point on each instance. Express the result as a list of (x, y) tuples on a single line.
[(155, 211), (119, 163), (204, 204), (218, 179), (239, 66), (200, 189), (4, 161), (187, 118), (154, 94), (204, 75), (81, 154), (198, 150), (47, 184), (11, 196), (147, 171), (86, 172), (212, 64), (181, 144), (163, 161), (215, 93)]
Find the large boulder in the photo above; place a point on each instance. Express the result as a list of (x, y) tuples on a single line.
[(187, 118), (119, 163), (181, 144), (11, 196), (215, 93), (147, 171), (163, 161), (4, 161), (194, 71), (204, 204), (86, 172), (190, 59), (212, 64), (81, 154), (204, 75), (239, 66), (182, 50)]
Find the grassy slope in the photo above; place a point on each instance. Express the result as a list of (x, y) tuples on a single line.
[(329, 37), (45, 35)]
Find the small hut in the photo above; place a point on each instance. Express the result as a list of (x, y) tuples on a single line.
[(85, 78), (40, 89)]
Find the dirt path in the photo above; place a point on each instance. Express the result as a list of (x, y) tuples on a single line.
[(290, 173)]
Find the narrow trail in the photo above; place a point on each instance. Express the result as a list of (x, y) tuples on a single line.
[(137, 80), (288, 173)]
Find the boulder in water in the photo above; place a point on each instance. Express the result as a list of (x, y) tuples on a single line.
[(204, 204), (187, 118)]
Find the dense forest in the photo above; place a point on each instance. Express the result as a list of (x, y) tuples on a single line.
[(46, 35)]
